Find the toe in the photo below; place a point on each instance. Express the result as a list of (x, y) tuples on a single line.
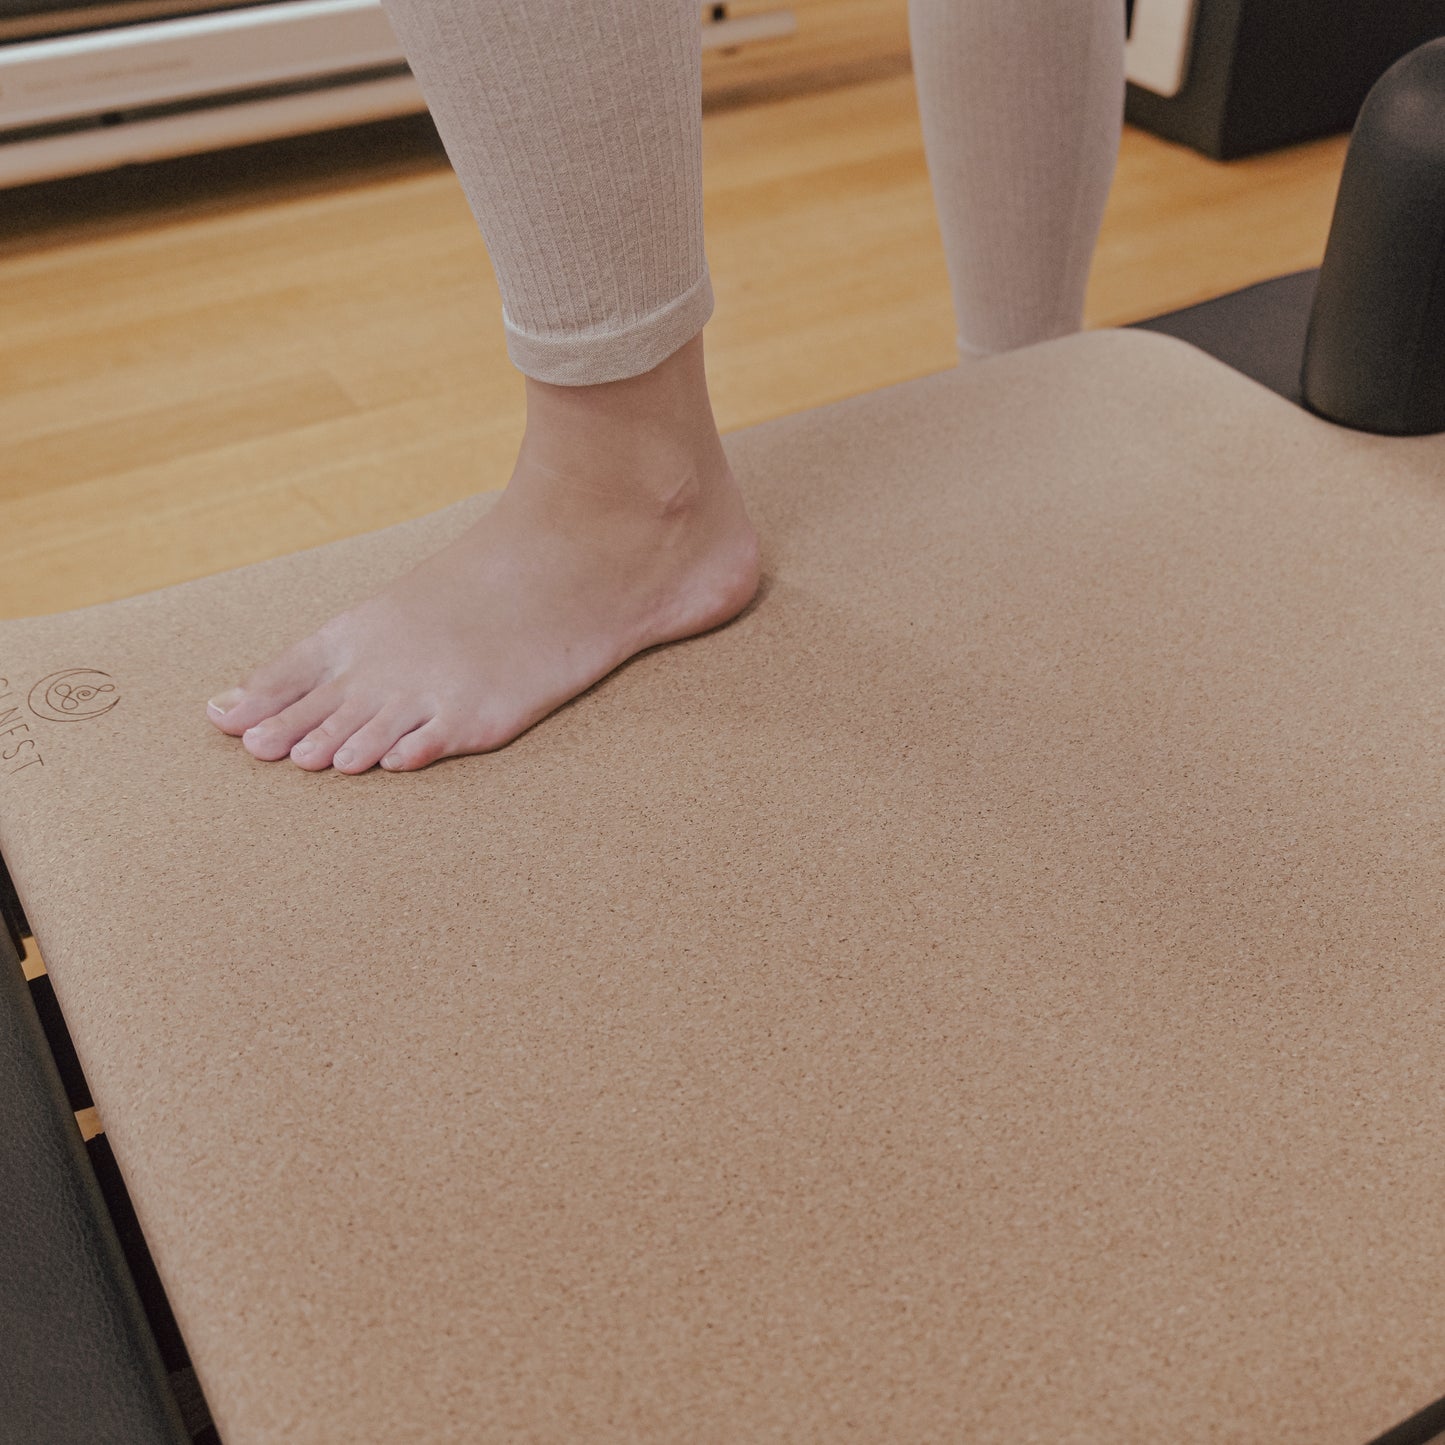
[(275, 736), (226, 702), (365, 748), (425, 745), (318, 748), (266, 692)]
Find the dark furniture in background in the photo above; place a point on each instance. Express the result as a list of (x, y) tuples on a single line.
[(1266, 73)]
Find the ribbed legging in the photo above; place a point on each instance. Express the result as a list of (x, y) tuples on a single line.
[(575, 127)]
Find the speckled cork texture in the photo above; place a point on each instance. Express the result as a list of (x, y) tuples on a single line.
[(992, 991)]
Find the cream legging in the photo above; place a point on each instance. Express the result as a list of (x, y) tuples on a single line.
[(575, 127)]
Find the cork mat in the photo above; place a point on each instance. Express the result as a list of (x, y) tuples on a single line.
[(991, 991)]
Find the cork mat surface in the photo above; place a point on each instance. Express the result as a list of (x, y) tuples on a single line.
[(991, 991)]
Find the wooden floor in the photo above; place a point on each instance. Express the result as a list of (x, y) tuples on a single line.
[(218, 359)]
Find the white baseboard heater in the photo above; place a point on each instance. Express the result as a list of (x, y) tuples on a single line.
[(92, 86)]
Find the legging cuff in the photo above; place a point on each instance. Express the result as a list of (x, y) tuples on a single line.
[(607, 352)]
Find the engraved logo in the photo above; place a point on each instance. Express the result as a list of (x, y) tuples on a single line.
[(75, 695), (18, 749)]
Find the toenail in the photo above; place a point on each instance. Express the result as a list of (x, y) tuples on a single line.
[(345, 758), (303, 750), (391, 760), (224, 702)]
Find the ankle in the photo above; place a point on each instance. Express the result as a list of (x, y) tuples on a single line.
[(666, 507), (660, 422)]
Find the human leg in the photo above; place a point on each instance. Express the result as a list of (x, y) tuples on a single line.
[(1022, 103), (575, 129)]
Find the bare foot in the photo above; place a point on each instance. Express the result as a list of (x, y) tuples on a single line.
[(575, 568)]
